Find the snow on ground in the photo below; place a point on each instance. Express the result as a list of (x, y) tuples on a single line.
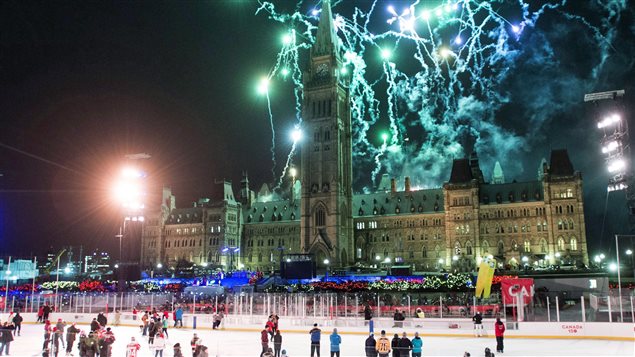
[(245, 343)]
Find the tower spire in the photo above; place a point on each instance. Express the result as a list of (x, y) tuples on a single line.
[(326, 41)]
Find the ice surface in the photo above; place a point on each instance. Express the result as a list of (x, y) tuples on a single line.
[(247, 343)]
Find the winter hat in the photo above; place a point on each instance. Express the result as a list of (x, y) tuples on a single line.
[(177, 345), (284, 352)]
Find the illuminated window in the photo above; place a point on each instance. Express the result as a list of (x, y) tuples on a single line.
[(573, 243)]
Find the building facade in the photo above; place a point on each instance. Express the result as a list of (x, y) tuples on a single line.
[(536, 223)]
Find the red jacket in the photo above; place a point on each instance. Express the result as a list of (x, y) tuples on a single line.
[(264, 337), (499, 329)]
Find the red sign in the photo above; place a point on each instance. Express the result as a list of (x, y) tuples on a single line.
[(513, 289)]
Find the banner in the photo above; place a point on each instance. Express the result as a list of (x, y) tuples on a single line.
[(485, 276), (513, 289)]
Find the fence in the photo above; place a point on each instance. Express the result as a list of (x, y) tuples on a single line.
[(552, 306)]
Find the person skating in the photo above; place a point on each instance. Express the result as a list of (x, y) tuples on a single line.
[(40, 314), (394, 344), (405, 345), (154, 330), (478, 324), (264, 340), (59, 332), (417, 345), (132, 348), (144, 320), (55, 343), (117, 318), (102, 319), (158, 345), (370, 346), (204, 352), (315, 340), (488, 352), (105, 343), (218, 318), (368, 314), (94, 325), (71, 335), (17, 323), (277, 343), (271, 328), (47, 335), (336, 340), (6, 337), (178, 314), (499, 331), (383, 345), (164, 329), (194, 343), (177, 350), (268, 353), (46, 310)]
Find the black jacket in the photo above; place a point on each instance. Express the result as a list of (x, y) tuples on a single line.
[(370, 343), (405, 344), (17, 319), (478, 319), (368, 313)]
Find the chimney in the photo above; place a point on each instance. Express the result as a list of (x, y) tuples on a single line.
[(393, 185), (407, 184)]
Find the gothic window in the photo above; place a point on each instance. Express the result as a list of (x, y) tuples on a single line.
[(327, 135), (485, 247), (544, 226), (514, 245), (543, 246), (527, 246), (501, 248), (560, 225), (313, 110), (565, 224), (573, 243), (320, 217), (437, 251), (560, 243), (329, 107), (424, 252), (411, 254), (468, 248), (259, 257), (570, 224)]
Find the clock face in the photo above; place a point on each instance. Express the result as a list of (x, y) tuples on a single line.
[(322, 70)]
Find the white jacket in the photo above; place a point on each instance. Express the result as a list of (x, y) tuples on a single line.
[(159, 343)]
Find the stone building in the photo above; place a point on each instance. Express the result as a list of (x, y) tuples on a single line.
[(537, 223)]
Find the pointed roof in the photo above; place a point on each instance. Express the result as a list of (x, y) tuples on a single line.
[(461, 171), (498, 176), (560, 163), (326, 41)]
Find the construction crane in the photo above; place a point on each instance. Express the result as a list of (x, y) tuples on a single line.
[(53, 263)]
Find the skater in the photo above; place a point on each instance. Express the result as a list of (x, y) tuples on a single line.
[(178, 314), (405, 345), (164, 330), (177, 350), (268, 353), (132, 348), (336, 340), (6, 336), (59, 332), (277, 343), (117, 318), (40, 314), (46, 310), (101, 318), (370, 346), (315, 340), (94, 325), (383, 345), (218, 318), (47, 335), (144, 320), (204, 353), (194, 343), (154, 330), (105, 343), (398, 319), (55, 342), (478, 324), (158, 345), (499, 331), (264, 340), (271, 327), (17, 323), (71, 335), (394, 344), (417, 345), (284, 353)]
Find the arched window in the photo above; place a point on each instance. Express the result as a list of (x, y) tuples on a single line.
[(560, 225), (514, 245), (259, 257), (501, 248), (544, 226), (573, 243), (424, 252), (543, 246), (485, 247), (468, 248), (437, 251), (527, 246), (570, 224), (560, 243), (320, 217)]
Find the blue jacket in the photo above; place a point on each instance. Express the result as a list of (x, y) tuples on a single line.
[(417, 344), (315, 335), (179, 314), (335, 342)]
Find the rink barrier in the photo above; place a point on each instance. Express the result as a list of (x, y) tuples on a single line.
[(355, 326)]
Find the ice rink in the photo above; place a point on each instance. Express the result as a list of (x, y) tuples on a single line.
[(231, 342)]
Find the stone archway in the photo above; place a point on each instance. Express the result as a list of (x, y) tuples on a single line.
[(343, 258)]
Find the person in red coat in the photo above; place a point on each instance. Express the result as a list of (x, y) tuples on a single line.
[(499, 330), (264, 339)]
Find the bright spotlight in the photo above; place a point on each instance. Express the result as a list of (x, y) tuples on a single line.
[(284, 72), (597, 259), (515, 28), (425, 15), (296, 135), (326, 262), (315, 12), (609, 120), (440, 261), (602, 256), (613, 267), (343, 70), (439, 12), (525, 259), (445, 52), (385, 54), (629, 252), (610, 147), (387, 260), (293, 172), (458, 40), (159, 266), (455, 258), (384, 137), (287, 39), (263, 86), (617, 165)]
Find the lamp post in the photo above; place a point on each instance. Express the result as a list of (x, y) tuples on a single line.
[(326, 267)]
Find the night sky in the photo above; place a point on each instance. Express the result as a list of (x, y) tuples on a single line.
[(83, 83)]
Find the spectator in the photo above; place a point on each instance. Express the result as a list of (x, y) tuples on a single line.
[(264, 340), (417, 345), (17, 322), (71, 335), (178, 314), (368, 314), (499, 331), (177, 350), (395, 345), (370, 346), (158, 345), (383, 345), (405, 345), (46, 310), (315, 340), (101, 318), (277, 343), (336, 340), (195, 342), (6, 337), (478, 324)]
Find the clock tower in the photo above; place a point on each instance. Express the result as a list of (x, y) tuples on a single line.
[(326, 167)]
